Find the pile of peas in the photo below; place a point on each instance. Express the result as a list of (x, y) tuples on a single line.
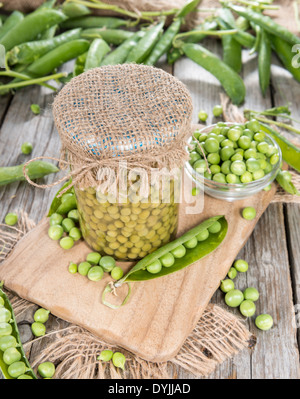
[(117, 358), (244, 300), (235, 154)]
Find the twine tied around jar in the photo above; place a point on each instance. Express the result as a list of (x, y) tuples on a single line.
[(135, 114)]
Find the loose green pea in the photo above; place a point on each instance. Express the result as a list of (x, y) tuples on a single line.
[(5, 315), (46, 370), (105, 356), (117, 273), (74, 215), (251, 293), (5, 329), (8, 341), (247, 308), (232, 273), (75, 233), (192, 243), (26, 148), (241, 265), (93, 258), (119, 360), (227, 285), (107, 263), (16, 369), (179, 251), (35, 108), (55, 219), (234, 298), (167, 260), (38, 329), (154, 267), (268, 188), (11, 355), (73, 268), (217, 110), (83, 268), (55, 232), (195, 191), (202, 116), (203, 235), (67, 224), (66, 242), (11, 219), (215, 227), (264, 322), (249, 213), (41, 315)]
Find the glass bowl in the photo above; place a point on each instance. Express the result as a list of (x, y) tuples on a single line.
[(232, 192)]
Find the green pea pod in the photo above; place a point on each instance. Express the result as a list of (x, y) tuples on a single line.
[(144, 47), (232, 50), (287, 185), (232, 83), (16, 335), (56, 57), (119, 55), (35, 170), (56, 202), (265, 23), (15, 18), (111, 36), (27, 53), (31, 26), (203, 248), (164, 43), (73, 10), (290, 153), (284, 52), (187, 8), (98, 49), (47, 4), (67, 206), (48, 33), (94, 22), (264, 61)]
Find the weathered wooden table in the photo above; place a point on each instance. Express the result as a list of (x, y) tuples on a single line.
[(273, 250)]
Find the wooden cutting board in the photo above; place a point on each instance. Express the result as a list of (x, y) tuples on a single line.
[(160, 313)]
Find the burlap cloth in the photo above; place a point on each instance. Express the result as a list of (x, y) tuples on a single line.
[(285, 17)]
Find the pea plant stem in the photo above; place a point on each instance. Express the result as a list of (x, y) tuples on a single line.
[(256, 4), (33, 81), (280, 124)]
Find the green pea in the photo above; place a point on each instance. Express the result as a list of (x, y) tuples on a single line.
[(241, 265), (268, 168), (219, 177), (25, 377), (11, 355), (262, 147), (208, 175), (83, 268), (73, 268), (215, 169), (231, 178), (227, 143), (225, 167), (55, 232), (55, 219), (46, 369), (215, 227), (200, 166), (154, 267), (202, 137), (237, 157), (250, 153), (234, 298), (192, 243), (258, 174), (213, 158), (203, 235), (211, 145), (35, 108), (264, 322), (253, 125), (234, 134), (247, 308), (11, 219), (93, 258), (227, 285), (38, 329), (66, 196), (5, 315), (252, 165), (232, 273), (249, 213), (41, 315), (5, 329), (253, 146), (74, 215), (119, 360), (238, 168), (244, 142), (259, 136), (66, 242), (251, 293), (195, 191), (107, 263), (8, 341), (194, 156), (75, 233), (196, 134), (268, 188), (262, 163), (117, 273), (246, 177), (217, 110), (1, 302), (202, 116), (274, 159), (16, 369), (286, 175), (226, 152), (248, 133), (167, 260), (26, 148), (67, 224), (178, 252), (105, 356)]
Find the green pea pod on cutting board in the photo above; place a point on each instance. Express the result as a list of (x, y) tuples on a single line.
[(264, 61), (10, 338), (232, 83)]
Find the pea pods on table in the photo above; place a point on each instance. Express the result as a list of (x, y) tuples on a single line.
[(232, 51), (14, 19), (13, 361), (98, 49), (111, 36), (86, 22)]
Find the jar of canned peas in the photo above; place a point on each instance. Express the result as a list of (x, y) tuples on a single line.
[(138, 117)]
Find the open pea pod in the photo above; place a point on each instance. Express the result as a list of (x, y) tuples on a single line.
[(57, 206), (192, 255), (14, 333)]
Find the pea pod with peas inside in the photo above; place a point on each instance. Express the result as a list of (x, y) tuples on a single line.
[(13, 361)]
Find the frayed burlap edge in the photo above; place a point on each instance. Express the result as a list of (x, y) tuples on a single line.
[(217, 336)]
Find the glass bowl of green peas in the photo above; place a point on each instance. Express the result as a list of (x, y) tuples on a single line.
[(233, 161)]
